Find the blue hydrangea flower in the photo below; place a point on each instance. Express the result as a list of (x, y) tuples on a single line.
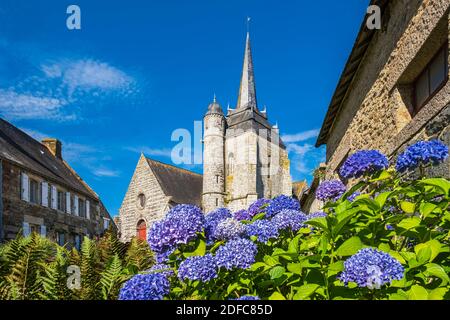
[(181, 225), (162, 268), (289, 219), (263, 230), (389, 227), (257, 207), (363, 162), (330, 189), (241, 215), (145, 287), (371, 268), (314, 215), (213, 218), (248, 298), (422, 152), (281, 202), (229, 229), (237, 253), (163, 256), (201, 268)]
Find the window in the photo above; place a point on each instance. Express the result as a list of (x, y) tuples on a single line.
[(61, 200), (60, 238), (105, 223), (77, 241), (34, 191), (217, 202), (217, 179), (431, 80), (81, 208), (141, 200)]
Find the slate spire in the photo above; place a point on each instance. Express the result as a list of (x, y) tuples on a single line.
[(247, 89)]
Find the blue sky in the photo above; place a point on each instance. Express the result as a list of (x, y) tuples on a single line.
[(137, 71)]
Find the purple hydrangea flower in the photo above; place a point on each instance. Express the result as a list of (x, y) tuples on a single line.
[(241, 215), (162, 268), (281, 202), (371, 268), (330, 189), (229, 229), (237, 253), (263, 230), (257, 207), (213, 218), (145, 287), (180, 225), (314, 215), (201, 268), (363, 162), (422, 152), (163, 256), (248, 298), (389, 227), (289, 219)]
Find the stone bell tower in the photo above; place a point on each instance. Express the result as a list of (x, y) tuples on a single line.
[(213, 195)]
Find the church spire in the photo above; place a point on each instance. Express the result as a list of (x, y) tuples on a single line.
[(247, 89)]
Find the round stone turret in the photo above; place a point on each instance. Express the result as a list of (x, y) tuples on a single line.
[(213, 158)]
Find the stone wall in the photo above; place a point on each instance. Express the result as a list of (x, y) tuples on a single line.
[(17, 211), (376, 112), (156, 202)]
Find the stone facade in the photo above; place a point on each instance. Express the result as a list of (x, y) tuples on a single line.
[(377, 108), (62, 208), (244, 157), (156, 203)]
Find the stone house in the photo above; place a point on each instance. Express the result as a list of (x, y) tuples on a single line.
[(155, 188), (40, 192), (394, 88)]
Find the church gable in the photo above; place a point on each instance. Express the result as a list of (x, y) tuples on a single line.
[(145, 200)]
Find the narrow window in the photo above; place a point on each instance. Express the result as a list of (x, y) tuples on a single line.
[(34, 191), (217, 179), (217, 202), (81, 208)]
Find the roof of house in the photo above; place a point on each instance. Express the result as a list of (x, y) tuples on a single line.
[(183, 186), (18, 147), (355, 59)]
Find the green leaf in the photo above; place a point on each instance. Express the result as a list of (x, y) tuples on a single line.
[(382, 197), (258, 265), (343, 219), (318, 222), (437, 294), (295, 268), (384, 247), (271, 261), (232, 287), (423, 255), (397, 256), (349, 247), (277, 296), (436, 270), (305, 291), (293, 245), (440, 183), (409, 223), (417, 293), (408, 207), (200, 249), (426, 208), (276, 272)]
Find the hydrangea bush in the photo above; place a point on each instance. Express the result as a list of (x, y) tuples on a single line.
[(384, 237)]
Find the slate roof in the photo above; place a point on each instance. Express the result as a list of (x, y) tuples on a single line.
[(18, 147), (183, 186), (354, 61)]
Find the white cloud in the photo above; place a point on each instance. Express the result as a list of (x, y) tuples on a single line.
[(14, 105), (104, 172), (61, 87), (301, 136)]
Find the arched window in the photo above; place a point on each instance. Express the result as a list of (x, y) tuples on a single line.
[(141, 201), (230, 163), (141, 230)]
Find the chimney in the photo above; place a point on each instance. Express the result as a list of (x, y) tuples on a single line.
[(54, 145)]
